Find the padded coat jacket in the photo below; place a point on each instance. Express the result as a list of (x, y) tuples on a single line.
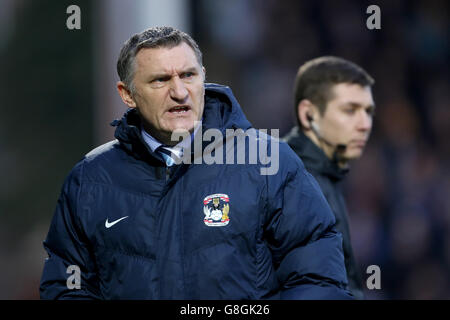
[(137, 229)]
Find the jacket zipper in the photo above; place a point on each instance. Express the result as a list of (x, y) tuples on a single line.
[(167, 174)]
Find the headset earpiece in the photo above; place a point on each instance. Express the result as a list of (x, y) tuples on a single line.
[(338, 149), (312, 124)]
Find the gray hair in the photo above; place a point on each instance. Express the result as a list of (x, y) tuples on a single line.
[(158, 37)]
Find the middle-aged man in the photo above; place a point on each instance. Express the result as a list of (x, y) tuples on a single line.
[(133, 223), (334, 110)]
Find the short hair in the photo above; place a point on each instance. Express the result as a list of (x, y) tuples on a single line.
[(157, 37), (316, 77)]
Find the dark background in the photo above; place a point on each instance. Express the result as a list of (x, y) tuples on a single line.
[(398, 193)]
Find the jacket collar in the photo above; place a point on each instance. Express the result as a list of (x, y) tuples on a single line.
[(222, 111), (312, 156)]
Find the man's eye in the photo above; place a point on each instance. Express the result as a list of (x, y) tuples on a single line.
[(370, 111), (160, 79), (158, 82), (349, 111), (188, 75)]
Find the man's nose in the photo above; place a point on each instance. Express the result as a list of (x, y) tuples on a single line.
[(178, 90), (364, 121)]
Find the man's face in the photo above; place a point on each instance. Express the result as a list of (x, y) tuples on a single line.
[(169, 93), (348, 119)]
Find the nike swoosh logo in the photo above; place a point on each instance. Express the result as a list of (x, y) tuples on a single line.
[(110, 224)]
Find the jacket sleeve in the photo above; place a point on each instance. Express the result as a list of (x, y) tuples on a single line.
[(306, 249), (67, 246)]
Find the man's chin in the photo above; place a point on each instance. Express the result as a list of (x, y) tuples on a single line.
[(353, 155), (179, 133), (183, 125), (183, 129)]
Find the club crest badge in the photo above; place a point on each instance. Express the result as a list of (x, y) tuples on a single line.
[(216, 209)]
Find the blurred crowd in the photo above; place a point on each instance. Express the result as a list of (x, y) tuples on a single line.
[(399, 192)]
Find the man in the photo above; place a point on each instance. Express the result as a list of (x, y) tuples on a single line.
[(334, 110), (137, 226)]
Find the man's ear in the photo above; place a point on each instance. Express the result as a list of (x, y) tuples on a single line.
[(306, 113), (125, 94), (204, 73)]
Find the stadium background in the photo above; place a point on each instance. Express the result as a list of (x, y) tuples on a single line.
[(57, 93)]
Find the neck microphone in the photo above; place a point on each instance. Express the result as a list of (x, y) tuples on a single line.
[(339, 148)]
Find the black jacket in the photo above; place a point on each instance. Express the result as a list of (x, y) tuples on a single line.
[(329, 176)]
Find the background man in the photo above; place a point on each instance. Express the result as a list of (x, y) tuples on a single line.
[(334, 110), (134, 222)]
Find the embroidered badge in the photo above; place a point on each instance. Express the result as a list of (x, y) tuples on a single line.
[(216, 209)]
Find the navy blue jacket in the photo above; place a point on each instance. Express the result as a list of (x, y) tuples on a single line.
[(276, 240)]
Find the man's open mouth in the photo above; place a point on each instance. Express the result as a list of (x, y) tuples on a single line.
[(179, 109)]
